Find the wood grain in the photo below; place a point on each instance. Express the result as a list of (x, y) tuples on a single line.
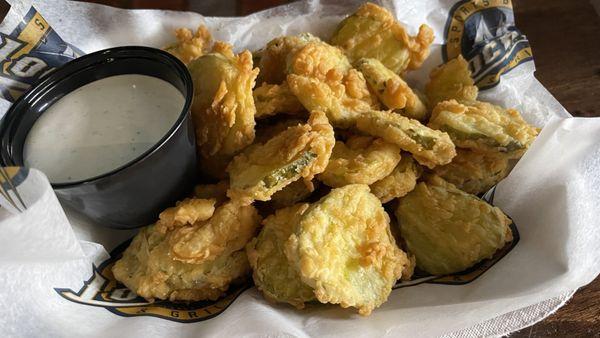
[(565, 39)]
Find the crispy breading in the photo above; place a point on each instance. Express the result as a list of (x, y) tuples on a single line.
[(185, 212), (361, 159), (293, 193), (273, 275), (343, 249), (484, 127), (449, 230), (271, 99), (190, 46), (217, 191), (223, 109), (393, 92), (229, 229), (298, 152), (274, 56), (373, 32), (451, 81), (400, 182), (428, 146), (473, 172), (147, 269), (322, 79)]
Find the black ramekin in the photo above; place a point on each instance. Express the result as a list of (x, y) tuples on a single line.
[(134, 194)]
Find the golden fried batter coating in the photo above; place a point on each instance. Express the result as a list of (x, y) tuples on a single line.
[(293, 193), (372, 32), (343, 249), (473, 172), (273, 99), (449, 230), (400, 182), (229, 229), (298, 152), (223, 108), (429, 147), (190, 46), (451, 81), (361, 159), (272, 273), (217, 191), (484, 127), (318, 60), (392, 90), (273, 58), (186, 212), (322, 79), (147, 269)]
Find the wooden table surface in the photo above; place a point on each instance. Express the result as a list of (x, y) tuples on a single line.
[(565, 39)]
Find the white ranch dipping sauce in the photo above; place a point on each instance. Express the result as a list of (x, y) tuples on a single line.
[(102, 126)]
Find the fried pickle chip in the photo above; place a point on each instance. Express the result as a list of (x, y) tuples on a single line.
[(449, 230), (273, 99), (272, 273), (322, 79), (293, 193), (147, 269), (188, 211), (223, 109), (273, 58), (392, 90), (190, 46), (428, 146), (361, 159), (451, 81), (400, 182), (217, 191), (372, 32), (473, 172), (343, 249), (298, 152), (229, 229), (484, 127)]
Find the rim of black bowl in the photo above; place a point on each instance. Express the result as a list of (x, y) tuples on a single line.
[(106, 56)]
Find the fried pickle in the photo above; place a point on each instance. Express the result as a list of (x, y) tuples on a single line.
[(361, 159), (473, 172), (298, 152), (275, 99), (272, 273), (322, 79), (428, 146), (449, 230), (451, 81), (400, 182), (190, 46), (147, 269), (372, 32), (484, 127), (188, 211), (343, 249), (273, 58), (392, 90), (223, 109), (229, 229)]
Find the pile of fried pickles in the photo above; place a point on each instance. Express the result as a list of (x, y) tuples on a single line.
[(310, 153)]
